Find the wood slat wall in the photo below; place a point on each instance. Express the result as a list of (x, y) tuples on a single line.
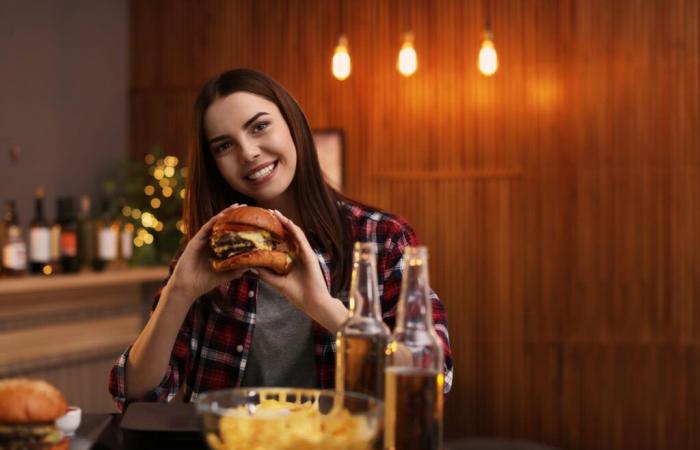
[(560, 198)]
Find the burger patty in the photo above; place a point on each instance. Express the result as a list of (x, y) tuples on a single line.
[(29, 436), (226, 245)]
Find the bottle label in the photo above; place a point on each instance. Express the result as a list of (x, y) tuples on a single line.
[(69, 243), (107, 244), (40, 245), (14, 256), (127, 244)]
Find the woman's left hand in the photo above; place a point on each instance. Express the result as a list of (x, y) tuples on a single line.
[(305, 285)]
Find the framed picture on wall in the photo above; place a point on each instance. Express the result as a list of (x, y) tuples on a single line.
[(329, 145)]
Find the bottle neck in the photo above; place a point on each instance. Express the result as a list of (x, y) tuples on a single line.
[(364, 292), (415, 311), (38, 210)]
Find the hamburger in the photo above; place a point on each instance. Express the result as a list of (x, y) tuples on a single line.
[(28, 409), (250, 237)]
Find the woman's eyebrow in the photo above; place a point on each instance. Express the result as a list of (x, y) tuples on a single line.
[(252, 119), (218, 138)]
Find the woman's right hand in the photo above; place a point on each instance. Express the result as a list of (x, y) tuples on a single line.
[(193, 275)]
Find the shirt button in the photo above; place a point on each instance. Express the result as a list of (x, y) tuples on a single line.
[(239, 348), (251, 294)]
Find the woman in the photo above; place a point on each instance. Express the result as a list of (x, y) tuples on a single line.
[(214, 330)]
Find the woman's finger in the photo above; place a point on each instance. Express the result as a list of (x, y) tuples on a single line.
[(297, 234)]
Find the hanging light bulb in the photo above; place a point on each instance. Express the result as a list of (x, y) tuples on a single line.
[(341, 65), (488, 58), (407, 62)]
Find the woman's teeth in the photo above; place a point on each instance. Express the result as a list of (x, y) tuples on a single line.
[(262, 172)]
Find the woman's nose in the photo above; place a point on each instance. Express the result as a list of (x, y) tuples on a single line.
[(249, 152)]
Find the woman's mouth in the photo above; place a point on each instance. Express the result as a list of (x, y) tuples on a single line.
[(262, 173)]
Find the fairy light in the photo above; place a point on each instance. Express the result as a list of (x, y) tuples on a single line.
[(149, 190)]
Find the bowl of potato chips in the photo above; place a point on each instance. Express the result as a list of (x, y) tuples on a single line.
[(289, 418)]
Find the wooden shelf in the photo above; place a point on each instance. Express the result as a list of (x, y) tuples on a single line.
[(30, 284)]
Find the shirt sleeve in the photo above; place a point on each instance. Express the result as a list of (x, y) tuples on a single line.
[(169, 385), (397, 236)]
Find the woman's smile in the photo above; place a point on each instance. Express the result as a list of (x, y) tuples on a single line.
[(262, 172)]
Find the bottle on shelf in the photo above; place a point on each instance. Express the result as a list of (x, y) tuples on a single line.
[(68, 241), (106, 243), (126, 237), (362, 339), (86, 249), (414, 367), (39, 238), (14, 247)]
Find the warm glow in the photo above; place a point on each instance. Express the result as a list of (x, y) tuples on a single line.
[(407, 63), (47, 269), (184, 171), (136, 213), (148, 239), (159, 226), (164, 182), (182, 193), (155, 203), (126, 211), (158, 173), (169, 171), (150, 159), (138, 241), (181, 226), (148, 220), (149, 190), (341, 66), (488, 58), (171, 161), (167, 191)]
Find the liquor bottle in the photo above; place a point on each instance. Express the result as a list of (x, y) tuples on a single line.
[(39, 238), (106, 239), (126, 238), (68, 241), (14, 248), (414, 378), (362, 339), (85, 234)]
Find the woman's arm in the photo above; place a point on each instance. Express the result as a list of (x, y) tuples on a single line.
[(149, 359)]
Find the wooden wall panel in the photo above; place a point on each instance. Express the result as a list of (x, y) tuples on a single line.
[(559, 198)]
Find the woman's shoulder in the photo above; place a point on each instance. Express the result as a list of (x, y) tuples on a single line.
[(370, 223)]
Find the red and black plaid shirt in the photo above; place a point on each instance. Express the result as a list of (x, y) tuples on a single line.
[(212, 347)]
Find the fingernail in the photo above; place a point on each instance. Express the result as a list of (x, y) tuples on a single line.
[(254, 271)]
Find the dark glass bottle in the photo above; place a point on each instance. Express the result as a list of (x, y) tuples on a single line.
[(86, 248), (14, 247), (68, 241), (39, 238)]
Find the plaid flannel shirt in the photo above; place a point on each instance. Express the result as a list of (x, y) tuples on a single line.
[(212, 348)]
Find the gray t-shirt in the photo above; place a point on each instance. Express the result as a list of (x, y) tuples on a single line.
[(282, 350)]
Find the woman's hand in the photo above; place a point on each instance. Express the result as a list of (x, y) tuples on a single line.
[(193, 275), (305, 285)]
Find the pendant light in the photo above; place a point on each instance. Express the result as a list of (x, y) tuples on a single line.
[(488, 58), (407, 62), (341, 65)]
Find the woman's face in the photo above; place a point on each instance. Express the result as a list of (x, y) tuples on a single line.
[(252, 146)]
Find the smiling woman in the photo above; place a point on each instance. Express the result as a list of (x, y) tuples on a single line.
[(212, 330)]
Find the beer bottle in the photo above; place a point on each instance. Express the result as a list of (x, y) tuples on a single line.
[(362, 339), (414, 377)]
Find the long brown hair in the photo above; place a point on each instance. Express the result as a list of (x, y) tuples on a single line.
[(208, 192)]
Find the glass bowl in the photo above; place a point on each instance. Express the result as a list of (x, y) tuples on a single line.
[(289, 418)]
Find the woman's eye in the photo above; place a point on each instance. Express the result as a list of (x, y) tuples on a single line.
[(260, 127), (218, 149)]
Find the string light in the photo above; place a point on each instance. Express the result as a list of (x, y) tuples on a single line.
[(407, 62)]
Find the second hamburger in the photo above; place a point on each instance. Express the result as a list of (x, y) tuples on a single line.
[(248, 236)]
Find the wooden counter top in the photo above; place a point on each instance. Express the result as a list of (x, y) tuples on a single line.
[(30, 284)]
